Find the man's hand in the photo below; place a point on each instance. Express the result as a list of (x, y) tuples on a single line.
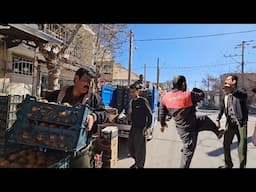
[(90, 121), (217, 124), (145, 131)]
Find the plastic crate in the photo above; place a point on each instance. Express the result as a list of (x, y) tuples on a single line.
[(8, 116), (8, 148), (119, 98), (11, 99), (5, 125), (49, 159), (65, 128), (62, 163), (8, 107)]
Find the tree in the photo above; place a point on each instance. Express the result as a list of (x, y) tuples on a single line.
[(109, 41), (54, 55)]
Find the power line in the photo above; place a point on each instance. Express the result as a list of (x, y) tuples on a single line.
[(193, 67), (198, 66), (196, 36)]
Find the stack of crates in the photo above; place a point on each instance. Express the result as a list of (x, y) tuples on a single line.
[(107, 143), (127, 98), (8, 109), (119, 95)]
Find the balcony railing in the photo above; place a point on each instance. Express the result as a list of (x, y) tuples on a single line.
[(57, 30)]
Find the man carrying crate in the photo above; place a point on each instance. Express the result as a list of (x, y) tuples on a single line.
[(81, 93)]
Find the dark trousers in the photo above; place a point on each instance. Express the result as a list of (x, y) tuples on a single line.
[(137, 146), (232, 129), (189, 137)]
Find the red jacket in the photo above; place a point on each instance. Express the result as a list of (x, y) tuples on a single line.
[(181, 106)]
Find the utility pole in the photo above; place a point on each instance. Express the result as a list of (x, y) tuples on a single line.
[(195, 83), (208, 84), (242, 46), (242, 63), (158, 74), (130, 57), (39, 82), (145, 73)]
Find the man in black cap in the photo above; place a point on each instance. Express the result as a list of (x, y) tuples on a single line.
[(140, 82), (81, 93), (140, 115), (180, 104)]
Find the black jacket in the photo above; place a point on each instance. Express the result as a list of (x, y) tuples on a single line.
[(239, 104), (140, 113)]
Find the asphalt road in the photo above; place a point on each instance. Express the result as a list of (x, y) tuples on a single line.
[(163, 151)]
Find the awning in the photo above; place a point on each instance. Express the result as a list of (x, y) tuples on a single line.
[(15, 33)]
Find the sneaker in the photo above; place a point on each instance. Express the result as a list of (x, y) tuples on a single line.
[(134, 166), (221, 133), (224, 167)]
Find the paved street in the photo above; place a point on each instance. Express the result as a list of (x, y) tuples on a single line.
[(164, 150)]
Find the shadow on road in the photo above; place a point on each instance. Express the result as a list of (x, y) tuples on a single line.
[(220, 150)]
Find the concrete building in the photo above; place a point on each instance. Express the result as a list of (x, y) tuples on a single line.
[(116, 74), (120, 75)]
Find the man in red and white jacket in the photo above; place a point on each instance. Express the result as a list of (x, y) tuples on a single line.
[(180, 105)]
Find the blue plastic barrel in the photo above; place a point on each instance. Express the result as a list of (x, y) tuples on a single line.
[(107, 94)]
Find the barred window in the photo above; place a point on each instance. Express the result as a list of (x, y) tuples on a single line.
[(22, 65)]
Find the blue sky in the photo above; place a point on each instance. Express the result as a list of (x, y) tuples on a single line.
[(182, 57)]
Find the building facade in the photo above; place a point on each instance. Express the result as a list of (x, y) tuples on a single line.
[(116, 74), (17, 60)]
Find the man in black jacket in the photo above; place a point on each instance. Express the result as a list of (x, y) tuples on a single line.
[(234, 106), (140, 115), (80, 93)]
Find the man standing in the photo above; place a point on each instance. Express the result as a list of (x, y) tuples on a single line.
[(235, 107), (140, 115), (180, 104), (80, 93), (140, 82)]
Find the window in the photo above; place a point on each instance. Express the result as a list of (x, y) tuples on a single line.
[(22, 65), (44, 81)]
